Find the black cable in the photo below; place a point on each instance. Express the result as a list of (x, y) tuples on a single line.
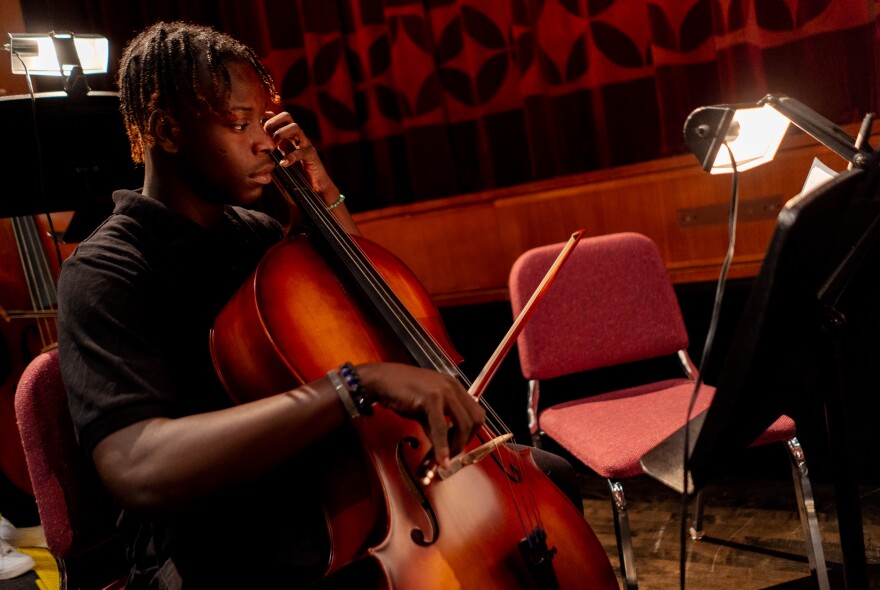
[(44, 198), (710, 337)]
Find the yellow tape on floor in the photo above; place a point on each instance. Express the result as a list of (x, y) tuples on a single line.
[(46, 568)]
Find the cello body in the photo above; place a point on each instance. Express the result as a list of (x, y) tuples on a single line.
[(294, 320)]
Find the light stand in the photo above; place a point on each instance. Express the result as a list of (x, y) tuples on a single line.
[(826, 132), (59, 54), (823, 244), (753, 134)]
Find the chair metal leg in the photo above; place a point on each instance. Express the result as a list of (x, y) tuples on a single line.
[(538, 439), (532, 413), (63, 578), (696, 530), (624, 537), (807, 509)]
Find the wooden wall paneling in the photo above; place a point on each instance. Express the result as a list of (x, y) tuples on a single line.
[(462, 247), (451, 250)]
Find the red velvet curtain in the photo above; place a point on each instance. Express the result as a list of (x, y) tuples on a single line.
[(417, 99)]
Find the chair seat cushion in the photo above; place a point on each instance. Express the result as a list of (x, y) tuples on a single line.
[(611, 432)]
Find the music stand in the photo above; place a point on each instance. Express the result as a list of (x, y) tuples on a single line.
[(85, 156), (789, 345)]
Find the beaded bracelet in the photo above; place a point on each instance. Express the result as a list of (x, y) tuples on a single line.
[(338, 202), (362, 399), (351, 392)]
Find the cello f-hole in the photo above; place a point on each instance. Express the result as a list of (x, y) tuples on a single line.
[(511, 471), (410, 481)]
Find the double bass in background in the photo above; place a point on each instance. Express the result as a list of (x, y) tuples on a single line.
[(492, 521), (28, 300)]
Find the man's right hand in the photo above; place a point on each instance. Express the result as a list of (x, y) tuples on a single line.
[(437, 401)]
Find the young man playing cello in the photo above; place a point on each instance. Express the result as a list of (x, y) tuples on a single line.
[(212, 494)]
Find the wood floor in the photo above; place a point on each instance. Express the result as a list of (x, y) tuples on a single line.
[(753, 537)]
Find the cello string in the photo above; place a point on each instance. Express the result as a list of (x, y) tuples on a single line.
[(27, 238), (35, 286), (316, 208), (421, 337), (26, 265), (415, 331), (43, 276), (43, 280), (416, 335), (45, 283), (319, 210), (526, 507)]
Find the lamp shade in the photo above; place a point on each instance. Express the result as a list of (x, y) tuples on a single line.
[(752, 134), (705, 130), (56, 54)]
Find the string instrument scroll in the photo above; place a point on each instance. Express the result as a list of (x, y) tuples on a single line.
[(496, 522)]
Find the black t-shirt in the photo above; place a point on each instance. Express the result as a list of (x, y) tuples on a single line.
[(137, 300)]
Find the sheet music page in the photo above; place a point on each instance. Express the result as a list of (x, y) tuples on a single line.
[(818, 175)]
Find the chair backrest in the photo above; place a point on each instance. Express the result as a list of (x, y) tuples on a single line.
[(76, 511), (612, 303)]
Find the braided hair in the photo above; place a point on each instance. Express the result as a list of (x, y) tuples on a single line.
[(179, 68)]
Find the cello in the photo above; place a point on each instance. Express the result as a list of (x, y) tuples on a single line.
[(28, 292), (494, 521)]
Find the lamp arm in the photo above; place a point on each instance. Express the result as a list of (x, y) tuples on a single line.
[(823, 130)]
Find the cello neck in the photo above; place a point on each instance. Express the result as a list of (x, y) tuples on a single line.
[(327, 233), (38, 274), (40, 279)]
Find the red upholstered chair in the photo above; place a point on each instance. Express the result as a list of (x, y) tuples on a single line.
[(613, 305), (77, 514)]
